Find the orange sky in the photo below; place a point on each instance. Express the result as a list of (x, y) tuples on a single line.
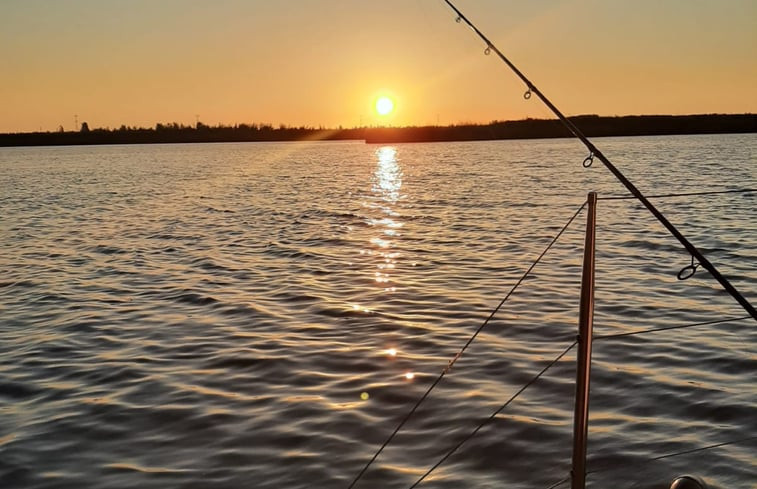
[(323, 62)]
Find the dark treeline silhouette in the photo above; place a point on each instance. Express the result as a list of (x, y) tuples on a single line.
[(177, 133), (591, 125)]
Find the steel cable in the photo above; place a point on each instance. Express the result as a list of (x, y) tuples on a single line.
[(671, 455), (685, 194), (470, 340), (626, 465), (501, 408), (667, 328)]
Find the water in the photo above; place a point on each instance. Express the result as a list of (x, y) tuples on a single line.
[(219, 315)]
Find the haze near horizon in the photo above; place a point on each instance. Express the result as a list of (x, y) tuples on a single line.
[(326, 62)]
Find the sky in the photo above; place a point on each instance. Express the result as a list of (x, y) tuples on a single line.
[(324, 62)]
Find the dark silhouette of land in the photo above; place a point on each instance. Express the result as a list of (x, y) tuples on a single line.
[(590, 125)]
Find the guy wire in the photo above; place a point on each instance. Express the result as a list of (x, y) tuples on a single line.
[(667, 328), (494, 415), (684, 194), (593, 151), (470, 340), (640, 463)]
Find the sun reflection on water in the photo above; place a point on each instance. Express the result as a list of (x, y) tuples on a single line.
[(386, 188), (388, 176), (384, 220)]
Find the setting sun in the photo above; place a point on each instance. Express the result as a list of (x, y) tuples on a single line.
[(384, 105)]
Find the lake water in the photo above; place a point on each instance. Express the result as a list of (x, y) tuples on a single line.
[(220, 315)]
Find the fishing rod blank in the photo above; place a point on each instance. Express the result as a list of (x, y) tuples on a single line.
[(594, 152)]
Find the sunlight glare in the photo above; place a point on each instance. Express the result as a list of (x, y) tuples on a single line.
[(384, 105)]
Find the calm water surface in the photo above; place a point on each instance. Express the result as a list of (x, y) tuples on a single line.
[(220, 315)]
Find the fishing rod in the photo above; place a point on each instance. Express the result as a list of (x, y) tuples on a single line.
[(594, 152)]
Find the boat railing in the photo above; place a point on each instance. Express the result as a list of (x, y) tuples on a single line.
[(584, 340)]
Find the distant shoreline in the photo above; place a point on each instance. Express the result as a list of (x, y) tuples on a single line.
[(590, 125)]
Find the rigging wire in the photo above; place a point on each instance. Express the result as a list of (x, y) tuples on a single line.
[(671, 455), (501, 408), (627, 465), (559, 483), (470, 340), (700, 449), (655, 330), (686, 194), (594, 152)]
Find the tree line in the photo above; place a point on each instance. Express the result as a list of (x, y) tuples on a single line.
[(176, 133), (590, 125)]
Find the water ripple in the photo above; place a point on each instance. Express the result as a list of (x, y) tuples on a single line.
[(264, 314)]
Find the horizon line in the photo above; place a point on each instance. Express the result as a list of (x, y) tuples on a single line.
[(283, 126)]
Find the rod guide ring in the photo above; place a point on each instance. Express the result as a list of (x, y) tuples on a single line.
[(588, 160), (688, 271)]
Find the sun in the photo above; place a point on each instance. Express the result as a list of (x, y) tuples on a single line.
[(384, 105)]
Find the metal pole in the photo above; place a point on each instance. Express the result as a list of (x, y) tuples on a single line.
[(583, 368)]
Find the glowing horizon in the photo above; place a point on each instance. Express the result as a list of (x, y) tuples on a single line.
[(322, 65)]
